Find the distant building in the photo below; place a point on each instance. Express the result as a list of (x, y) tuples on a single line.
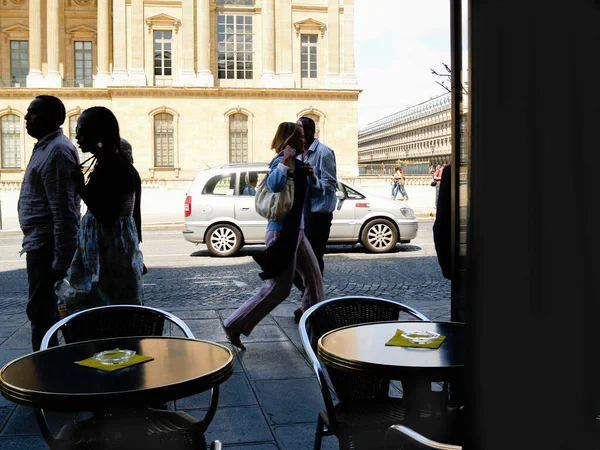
[(415, 137), (192, 82)]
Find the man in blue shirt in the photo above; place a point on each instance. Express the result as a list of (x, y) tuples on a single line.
[(317, 224), (48, 211)]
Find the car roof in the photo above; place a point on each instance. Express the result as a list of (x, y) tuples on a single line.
[(240, 165)]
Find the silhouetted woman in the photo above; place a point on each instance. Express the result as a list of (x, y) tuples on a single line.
[(107, 266), (287, 250)]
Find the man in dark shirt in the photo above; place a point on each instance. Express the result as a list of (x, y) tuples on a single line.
[(442, 233), (48, 211)]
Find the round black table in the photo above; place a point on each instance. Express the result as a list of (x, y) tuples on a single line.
[(361, 349), (50, 379)]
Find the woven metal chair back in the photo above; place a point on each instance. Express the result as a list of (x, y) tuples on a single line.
[(345, 311), (114, 322)]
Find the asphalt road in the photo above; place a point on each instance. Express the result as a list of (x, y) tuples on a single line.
[(184, 275)]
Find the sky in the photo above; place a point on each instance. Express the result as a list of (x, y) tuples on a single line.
[(397, 43)]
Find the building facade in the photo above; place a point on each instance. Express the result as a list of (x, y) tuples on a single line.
[(416, 138), (193, 83)]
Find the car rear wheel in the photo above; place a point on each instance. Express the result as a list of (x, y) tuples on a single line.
[(223, 240), (379, 236)]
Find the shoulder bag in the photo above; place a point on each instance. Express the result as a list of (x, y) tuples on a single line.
[(275, 205)]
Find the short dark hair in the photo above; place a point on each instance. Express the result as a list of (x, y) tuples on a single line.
[(56, 109), (311, 123), (104, 124)]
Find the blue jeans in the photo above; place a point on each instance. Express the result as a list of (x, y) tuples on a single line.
[(402, 191), (395, 189)]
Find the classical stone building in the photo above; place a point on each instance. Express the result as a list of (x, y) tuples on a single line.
[(416, 137), (193, 83)]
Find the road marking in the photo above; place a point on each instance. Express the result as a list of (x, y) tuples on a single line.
[(149, 284), (240, 283)]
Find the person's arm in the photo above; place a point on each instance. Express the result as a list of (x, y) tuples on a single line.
[(277, 176), (60, 190), (327, 176), (438, 175)]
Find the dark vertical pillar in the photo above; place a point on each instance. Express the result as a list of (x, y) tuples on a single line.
[(533, 243)]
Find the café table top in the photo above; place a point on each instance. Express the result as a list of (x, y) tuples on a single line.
[(361, 349), (51, 380)]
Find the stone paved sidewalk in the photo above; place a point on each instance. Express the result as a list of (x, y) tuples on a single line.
[(270, 402)]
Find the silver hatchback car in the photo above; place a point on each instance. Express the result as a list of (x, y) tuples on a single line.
[(219, 211)]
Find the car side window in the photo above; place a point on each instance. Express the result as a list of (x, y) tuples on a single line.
[(352, 194), (249, 181), (222, 184)]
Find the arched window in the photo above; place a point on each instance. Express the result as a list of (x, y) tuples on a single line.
[(10, 142), (164, 141), (238, 138)]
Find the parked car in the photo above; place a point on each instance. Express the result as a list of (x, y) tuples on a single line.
[(219, 211)]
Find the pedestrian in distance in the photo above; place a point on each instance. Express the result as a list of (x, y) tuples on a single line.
[(288, 249), (107, 267), (48, 211), (437, 177), (442, 233), (395, 185), (318, 219)]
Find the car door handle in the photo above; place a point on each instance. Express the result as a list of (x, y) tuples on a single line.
[(245, 208)]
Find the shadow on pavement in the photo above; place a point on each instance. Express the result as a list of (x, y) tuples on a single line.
[(251, 250)]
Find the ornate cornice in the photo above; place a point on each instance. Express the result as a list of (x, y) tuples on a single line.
[(163, 20), (310, 25), (131, 91)]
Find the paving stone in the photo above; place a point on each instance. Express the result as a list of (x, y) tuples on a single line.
[(265, 333), (4, 415), (9, 354), (22, 421), (186, 314), (234, 392), (301, 437), (225, 313), (20, 339), (261, 446), (290, 401), (207, 329), (237, 425), (22, 443), (274, 360)]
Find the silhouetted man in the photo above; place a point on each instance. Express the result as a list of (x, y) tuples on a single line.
[(442, 232), (48, 211), (317, 224)]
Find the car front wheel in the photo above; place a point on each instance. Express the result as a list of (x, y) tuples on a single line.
[(223, 240), (379, 236)]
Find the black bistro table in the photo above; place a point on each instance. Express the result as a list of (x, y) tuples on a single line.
[(361, 350), (181, 367)]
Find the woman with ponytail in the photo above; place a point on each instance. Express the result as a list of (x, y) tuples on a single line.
[(107, 266), (287, 250)]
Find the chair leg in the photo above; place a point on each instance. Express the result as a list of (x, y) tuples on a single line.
[(40, 417), (319, 433)]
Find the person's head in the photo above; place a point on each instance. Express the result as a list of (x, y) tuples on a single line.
[(288, 133), (396, 169), (253, 179), (45, 115), (310, 128), (126, 150), (98, 131)]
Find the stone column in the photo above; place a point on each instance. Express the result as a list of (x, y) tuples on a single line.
[(102, 77), (333, 43), (53, 78), (205, 76), (137, 75), (286, 76), (35, 77), (268, 44), (349, 74), (119, 73), (187, 75)]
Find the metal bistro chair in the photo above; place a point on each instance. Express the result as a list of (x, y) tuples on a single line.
[(365, 410), (164, 429), (400, 437)]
